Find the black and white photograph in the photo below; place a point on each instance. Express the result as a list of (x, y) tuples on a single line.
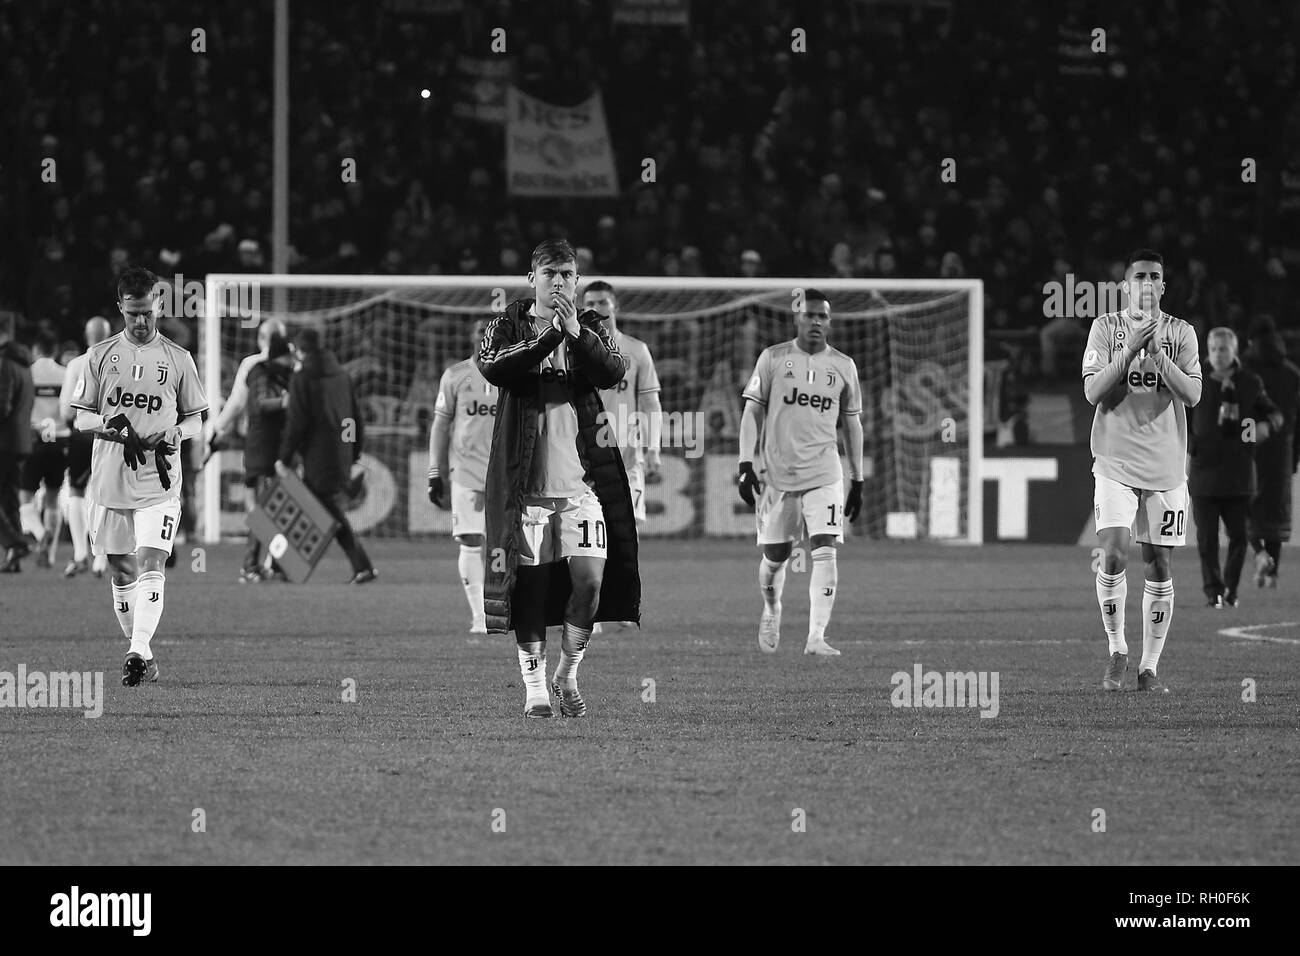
[(651, 433)]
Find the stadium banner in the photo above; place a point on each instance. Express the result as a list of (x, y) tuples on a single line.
[(659, 13), (1037, 494), (558, 150), (481, 88)]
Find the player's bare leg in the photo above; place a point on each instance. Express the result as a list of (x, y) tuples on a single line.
[(585, 575), (528, 610), (823, 582), (1157, 613), (470, 565), (138, 586), (1112, 594), (771, 581)]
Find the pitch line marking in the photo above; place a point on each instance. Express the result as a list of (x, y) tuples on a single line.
[(1242, 632)]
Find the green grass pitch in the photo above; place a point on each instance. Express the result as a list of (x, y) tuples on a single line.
[(739, 757)]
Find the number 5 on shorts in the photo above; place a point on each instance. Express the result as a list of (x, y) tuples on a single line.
[(168, 523)]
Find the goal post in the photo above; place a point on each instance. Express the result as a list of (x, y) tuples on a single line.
[(918, 345)]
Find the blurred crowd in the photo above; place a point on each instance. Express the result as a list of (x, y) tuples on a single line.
[(1183, 135)]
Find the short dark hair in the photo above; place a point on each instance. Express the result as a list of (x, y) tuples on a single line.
[(136, 283), (816, 295), (551, 251), (277, 344), (308, 340), (600, 285), (1143, 255)]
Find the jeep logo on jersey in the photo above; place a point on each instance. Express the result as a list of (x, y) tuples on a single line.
[(162, 374), (820, 402), (621, 386), (150, 403), (479, 408), (137, 372), (1146, 380)]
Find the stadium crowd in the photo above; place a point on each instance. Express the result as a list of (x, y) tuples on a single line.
[(769, 161)]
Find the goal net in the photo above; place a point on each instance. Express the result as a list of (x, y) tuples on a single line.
[(917, 345)]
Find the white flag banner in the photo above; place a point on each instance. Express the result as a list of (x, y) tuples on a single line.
[(558, 150)]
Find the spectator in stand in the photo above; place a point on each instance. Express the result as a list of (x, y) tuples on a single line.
[(751, 264), (1276, 459)]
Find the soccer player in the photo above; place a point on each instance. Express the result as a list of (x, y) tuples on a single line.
[(463, 418), (49, 457), (231, 413), (798, 391), (135, 388), (1140, 369), (80, 447), (638, 392), (557, 499)]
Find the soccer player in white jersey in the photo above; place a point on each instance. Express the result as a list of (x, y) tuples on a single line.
[(1140, 368), (460, 441), (44, 467), (80, 448), (629, 405), (136, 387), (797, 393), (231, 412)]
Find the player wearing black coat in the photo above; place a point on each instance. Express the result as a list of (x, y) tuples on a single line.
[(508, 357)]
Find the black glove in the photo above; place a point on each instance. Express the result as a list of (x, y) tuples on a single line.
[(747, 482), (161, 451), (853, 503), (133, 447), (438, 491)]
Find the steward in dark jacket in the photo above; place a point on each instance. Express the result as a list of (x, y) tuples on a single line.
[(509, 357), (17, 395), (321, 406), (1233, 417), (1277, 458), (268, 403), (324, 424)]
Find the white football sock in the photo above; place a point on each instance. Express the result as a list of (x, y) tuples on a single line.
[(1157, 612), (148, 611), (470, 564), (31, 519), (532, 666), (771, 581), (572, 646), (77, 527), (821, 591), (123, 605), (1112, 593)]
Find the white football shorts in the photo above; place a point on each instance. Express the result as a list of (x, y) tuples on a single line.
[(554, 529), (1156, 517), (466, 511), (785, 516), (123, 530), (636, 485)]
